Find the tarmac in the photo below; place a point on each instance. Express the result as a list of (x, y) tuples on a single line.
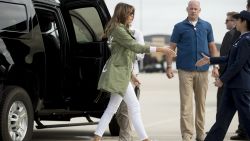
[(160, 106)]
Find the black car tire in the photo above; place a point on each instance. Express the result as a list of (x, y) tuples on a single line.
[(16, 104), (114, 127)]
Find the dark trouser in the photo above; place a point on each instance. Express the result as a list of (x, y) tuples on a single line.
[(220, 90), (241, 130), (219, 95), (232, 100)]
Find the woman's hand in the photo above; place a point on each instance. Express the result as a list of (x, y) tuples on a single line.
[(134, 80), (205, 60), (166, 50)]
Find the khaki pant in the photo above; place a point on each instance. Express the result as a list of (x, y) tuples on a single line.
[(192, 82), (124, 123)]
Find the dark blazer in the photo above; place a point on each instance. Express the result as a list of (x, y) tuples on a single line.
[(227, 42), (237, 71)]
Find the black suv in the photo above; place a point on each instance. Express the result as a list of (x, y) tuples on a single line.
[(51, 57)]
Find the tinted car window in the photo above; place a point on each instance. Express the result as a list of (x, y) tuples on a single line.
[(13, 17), (82, 33), (87, 24)]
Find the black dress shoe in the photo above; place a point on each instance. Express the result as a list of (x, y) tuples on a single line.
[(239, 137)]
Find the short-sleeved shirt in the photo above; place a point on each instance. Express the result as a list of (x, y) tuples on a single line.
[(191, 42)]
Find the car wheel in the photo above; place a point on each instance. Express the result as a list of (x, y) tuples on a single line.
[(114, 128), (16, 115)]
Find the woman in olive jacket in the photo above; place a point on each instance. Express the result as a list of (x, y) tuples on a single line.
[(117, 73)]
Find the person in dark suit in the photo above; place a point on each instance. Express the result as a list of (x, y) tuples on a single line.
[(226, 45), (236, 80), (227, 42), (240, 132)]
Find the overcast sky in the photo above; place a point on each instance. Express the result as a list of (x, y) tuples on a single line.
[(160, 16)]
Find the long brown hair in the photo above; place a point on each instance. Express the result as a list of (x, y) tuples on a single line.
[(121, 13)]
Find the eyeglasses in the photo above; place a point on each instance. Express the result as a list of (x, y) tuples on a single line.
[(228, 20)]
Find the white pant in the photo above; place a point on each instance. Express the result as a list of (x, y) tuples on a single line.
[(133, 111)]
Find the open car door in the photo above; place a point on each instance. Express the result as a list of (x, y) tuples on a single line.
[(88, 51)]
